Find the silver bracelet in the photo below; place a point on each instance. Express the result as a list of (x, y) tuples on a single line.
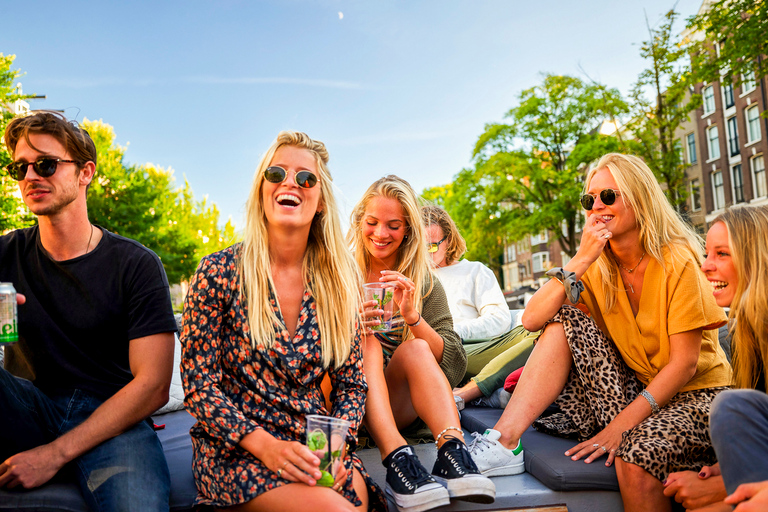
[(415, 323), (651, 401)]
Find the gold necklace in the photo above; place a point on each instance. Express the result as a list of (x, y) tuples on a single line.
[(629, 271), (88, 247)]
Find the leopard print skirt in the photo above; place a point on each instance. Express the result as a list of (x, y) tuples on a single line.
[(601, 385)]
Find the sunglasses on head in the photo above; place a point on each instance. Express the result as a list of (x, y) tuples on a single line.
[(44, 167), (277, 174), (607, 196), (434, 246)]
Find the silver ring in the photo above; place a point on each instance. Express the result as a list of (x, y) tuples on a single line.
[(595, 445), (607, 235), (604, 449)]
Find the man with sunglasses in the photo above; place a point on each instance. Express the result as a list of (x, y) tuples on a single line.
[(95, 334)]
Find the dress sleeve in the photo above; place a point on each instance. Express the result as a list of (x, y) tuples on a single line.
[(437, 314), (348, 389), (493, 319), (209, 297)]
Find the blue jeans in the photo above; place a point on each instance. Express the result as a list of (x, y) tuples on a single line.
[(125, 473), (738, 422)]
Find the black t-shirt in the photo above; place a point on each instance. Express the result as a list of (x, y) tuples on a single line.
[(80, 314)]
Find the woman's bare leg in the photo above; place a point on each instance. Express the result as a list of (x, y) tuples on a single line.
[(379, 419), (542, 380), (419, 388), (291, 497), (640, 490)]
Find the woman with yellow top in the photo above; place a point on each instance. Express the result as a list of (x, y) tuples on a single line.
[(635, 381)]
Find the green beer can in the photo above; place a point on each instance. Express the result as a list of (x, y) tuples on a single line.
[(9, 333)]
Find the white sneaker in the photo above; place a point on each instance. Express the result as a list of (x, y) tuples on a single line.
[(492, 459)]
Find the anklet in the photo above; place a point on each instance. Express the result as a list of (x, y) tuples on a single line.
[(437, 439)]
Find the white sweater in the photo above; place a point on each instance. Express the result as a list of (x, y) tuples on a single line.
[(476, 301)]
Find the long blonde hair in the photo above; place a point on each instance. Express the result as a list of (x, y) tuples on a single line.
[(329, 270), (747, 227), (660, 225), (412, 257)]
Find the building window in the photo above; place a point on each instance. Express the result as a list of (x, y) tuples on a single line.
[(511, 256), (540, 261), (541, 238), (748, 82), (733, 137), (737, 181), (753, 124), (691, 148), (718, 193), (695, 195), (709, 100), (758, 176), (713, 141), (728, 96)]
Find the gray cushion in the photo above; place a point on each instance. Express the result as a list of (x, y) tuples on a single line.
[(544, 456), (177, 446)]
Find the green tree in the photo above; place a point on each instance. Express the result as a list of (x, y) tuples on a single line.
[(13, 212), (740, 27), (655, 119), (528, 173), (140, 202)]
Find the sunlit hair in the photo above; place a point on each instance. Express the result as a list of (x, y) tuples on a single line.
[(412, 257), (330, 272), (433, 215), (660, 225), (748, 243), (69, 134)]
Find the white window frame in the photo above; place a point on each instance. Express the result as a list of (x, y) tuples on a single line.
[(751, 123), (539, 260), (692, 157), (695, 187), (732, 127), (718, 190), (727, 90), (714, 149), (748, 83), (737, 178), (540, 238), (759, 180), (708, 93)]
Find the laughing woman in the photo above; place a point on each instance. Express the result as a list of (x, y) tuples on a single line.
[(411, 370), (264, 321), (635, 381)]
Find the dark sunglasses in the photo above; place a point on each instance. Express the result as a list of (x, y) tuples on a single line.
[(434, 246), (304, 179), (45, 167), (607, 196)]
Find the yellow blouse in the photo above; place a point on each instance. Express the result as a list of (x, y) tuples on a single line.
[(673, 301)]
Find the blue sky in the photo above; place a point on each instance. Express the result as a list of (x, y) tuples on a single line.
[(401, 87)]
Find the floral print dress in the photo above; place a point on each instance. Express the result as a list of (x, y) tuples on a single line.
[(233, 389)]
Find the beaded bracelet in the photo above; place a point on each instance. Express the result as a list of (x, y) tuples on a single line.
[(416, 323), (651, 401), (437, 439)]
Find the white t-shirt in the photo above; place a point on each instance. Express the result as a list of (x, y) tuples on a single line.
[(476, 301)]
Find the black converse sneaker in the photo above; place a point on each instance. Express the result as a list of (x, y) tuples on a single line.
[(409, 484), (455, 469)]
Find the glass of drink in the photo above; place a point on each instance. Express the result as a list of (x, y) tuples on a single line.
[(383, 294), (326, 437)]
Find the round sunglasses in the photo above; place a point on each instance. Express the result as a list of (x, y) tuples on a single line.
[(276, 174), (607, 196), (44, 167)]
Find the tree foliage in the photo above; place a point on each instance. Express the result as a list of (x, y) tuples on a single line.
[(741, 29), (654, 119), (13, 213), (528, 173), (140, 202)]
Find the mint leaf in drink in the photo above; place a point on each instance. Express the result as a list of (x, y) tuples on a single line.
[(316, 440)]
